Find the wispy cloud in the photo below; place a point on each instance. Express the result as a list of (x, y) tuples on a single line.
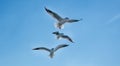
[(113, 19)]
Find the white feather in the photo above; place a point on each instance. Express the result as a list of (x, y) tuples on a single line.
[(57, 26)]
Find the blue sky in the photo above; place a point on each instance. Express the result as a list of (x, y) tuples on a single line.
[(24, 24)]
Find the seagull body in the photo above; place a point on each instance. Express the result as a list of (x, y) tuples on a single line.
[(52, 50), (61, 35), (60, 20)]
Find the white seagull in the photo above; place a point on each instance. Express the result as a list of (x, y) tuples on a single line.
[(60, 20), (61, 35), (52, 50)]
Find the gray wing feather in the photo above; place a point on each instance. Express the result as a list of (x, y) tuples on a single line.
[(68, 38), (61, 46), (74, 20), (42, 48), (53, 14)]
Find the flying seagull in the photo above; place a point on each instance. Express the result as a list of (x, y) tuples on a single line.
[(60, 20), (52, 50), (61, 35)]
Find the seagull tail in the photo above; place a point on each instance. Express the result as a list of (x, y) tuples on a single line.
[(51, 55), (58, 25)]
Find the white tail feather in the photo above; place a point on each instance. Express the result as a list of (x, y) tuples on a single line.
[(57, 25)]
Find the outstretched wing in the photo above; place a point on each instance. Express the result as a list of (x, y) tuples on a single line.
[(61, 46), (68, 38), (41, 48), (53, 14), (74, 20)]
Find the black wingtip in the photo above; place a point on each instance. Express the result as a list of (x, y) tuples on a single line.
[(66, 45), (48, 10), (35, 48), (72, 41), (45, 8), (56, 32)]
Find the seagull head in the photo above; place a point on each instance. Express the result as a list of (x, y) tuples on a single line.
[(66, 18), (52, 49)]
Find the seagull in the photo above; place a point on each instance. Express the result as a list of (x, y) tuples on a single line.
[(52, 50), (60, 20), (61, 35)]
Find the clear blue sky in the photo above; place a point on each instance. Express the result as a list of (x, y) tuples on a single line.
[(24, 24)]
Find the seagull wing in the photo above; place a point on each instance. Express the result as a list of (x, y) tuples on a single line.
[(61, 46), (42, 48), (74, 20), (68, 38), (53, 14)]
